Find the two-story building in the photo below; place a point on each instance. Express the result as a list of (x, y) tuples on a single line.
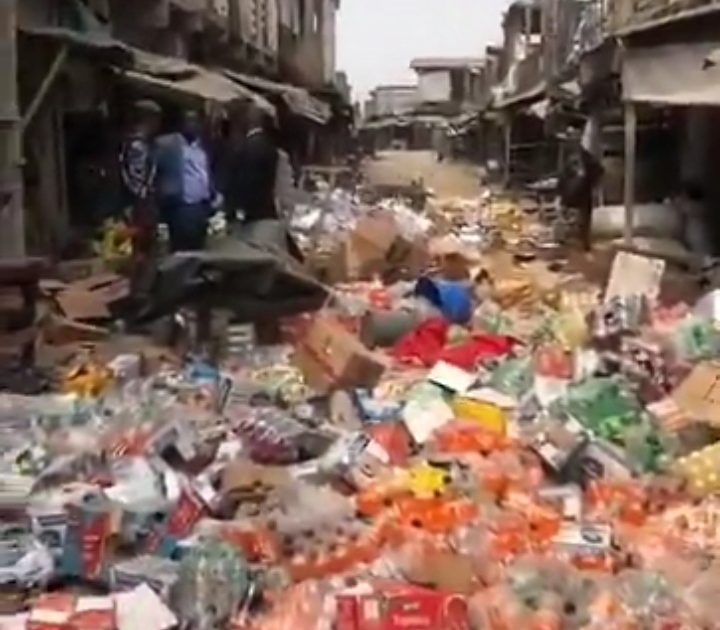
[(448, 86)]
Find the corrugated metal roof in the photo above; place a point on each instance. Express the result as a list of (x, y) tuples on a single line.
[(170, 75), (91, 41), (298, 99)]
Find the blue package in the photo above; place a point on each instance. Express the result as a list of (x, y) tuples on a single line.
[(453, 299)]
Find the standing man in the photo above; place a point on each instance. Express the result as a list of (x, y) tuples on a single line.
[(255, 172), (138, 170), (259, 176), (581, 174), (185, 186)]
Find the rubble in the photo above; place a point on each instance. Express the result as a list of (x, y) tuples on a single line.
[(525, 449)]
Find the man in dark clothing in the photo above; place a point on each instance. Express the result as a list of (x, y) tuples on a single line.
[(252, 181), (582, 172), (252, 187)]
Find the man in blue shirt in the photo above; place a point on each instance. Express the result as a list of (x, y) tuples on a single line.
[(185, 189)]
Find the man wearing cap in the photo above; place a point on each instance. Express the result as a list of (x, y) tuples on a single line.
[(138, 169)]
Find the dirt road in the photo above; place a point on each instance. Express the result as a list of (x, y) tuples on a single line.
[(446, 179)]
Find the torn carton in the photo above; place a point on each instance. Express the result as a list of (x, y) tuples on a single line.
[(332, 358)]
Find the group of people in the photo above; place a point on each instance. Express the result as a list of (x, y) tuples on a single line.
[(169, 178)]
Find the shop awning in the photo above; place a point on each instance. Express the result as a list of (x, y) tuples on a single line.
[(169, 76), (672, 75), (98, 43), (527, 97), (299, 100)]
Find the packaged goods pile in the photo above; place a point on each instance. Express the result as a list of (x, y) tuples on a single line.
[(493, 443)]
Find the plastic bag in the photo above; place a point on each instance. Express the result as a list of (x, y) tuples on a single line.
[(214, 580)]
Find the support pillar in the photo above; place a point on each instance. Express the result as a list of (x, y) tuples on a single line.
[(630, 158), (12, 219)]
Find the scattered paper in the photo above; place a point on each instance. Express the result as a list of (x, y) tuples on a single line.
[(450, 377), (142, 608), (422, 418)]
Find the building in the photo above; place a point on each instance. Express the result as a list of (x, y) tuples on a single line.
[(448, 86), (307, 41), (391, 100)]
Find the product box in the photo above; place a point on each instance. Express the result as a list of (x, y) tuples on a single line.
[(181, 519), (399, 606), (86, 542), (332, 358)]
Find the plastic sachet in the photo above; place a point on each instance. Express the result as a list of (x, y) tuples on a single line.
[(695, 338), (213, 583), (620, 314), (301, 607), (603, 406), (513, 377), (651, 600), (271, 436)]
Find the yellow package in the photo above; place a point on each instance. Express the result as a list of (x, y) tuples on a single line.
[(489, 416), (426, 481), (701, 470), (571, 328)]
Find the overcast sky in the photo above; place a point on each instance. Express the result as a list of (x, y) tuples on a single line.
[(378, 38)]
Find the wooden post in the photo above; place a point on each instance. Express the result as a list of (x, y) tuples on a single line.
[(508, 141), (48, 81), (12, 216), (630, 156)]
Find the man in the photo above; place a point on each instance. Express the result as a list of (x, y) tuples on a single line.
[(255, 185), (185, 186), (581, 173), (138, 170)]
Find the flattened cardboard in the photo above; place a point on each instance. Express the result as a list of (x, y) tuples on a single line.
[(332, 358), (699, 394), (82, 305), (635, 275)]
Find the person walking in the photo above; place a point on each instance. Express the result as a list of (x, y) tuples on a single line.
[(185, 187), (138, 170)]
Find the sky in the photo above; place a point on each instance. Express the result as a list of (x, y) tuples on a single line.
[(376, 39)]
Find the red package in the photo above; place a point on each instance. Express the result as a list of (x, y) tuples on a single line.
[(394, 438), (400, 606), (94, 613), (554, 361), (52, 612)]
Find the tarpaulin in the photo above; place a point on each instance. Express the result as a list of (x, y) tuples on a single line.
[(427, 345), (254, 281)]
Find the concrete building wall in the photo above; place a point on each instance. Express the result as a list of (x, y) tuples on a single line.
[(309, 56), (394, 100)]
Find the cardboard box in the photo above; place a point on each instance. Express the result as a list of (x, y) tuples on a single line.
[(88, 533), (398, 606), (375, 246), (330, 357), (699, 394)]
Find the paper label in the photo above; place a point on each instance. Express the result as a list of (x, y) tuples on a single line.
[(451, 377)]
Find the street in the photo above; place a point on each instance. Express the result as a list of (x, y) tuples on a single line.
[(445, 179)]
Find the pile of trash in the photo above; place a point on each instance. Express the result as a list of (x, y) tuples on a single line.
[(489, 444)]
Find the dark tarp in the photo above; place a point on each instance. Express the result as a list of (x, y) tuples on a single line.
[(255, 281)]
